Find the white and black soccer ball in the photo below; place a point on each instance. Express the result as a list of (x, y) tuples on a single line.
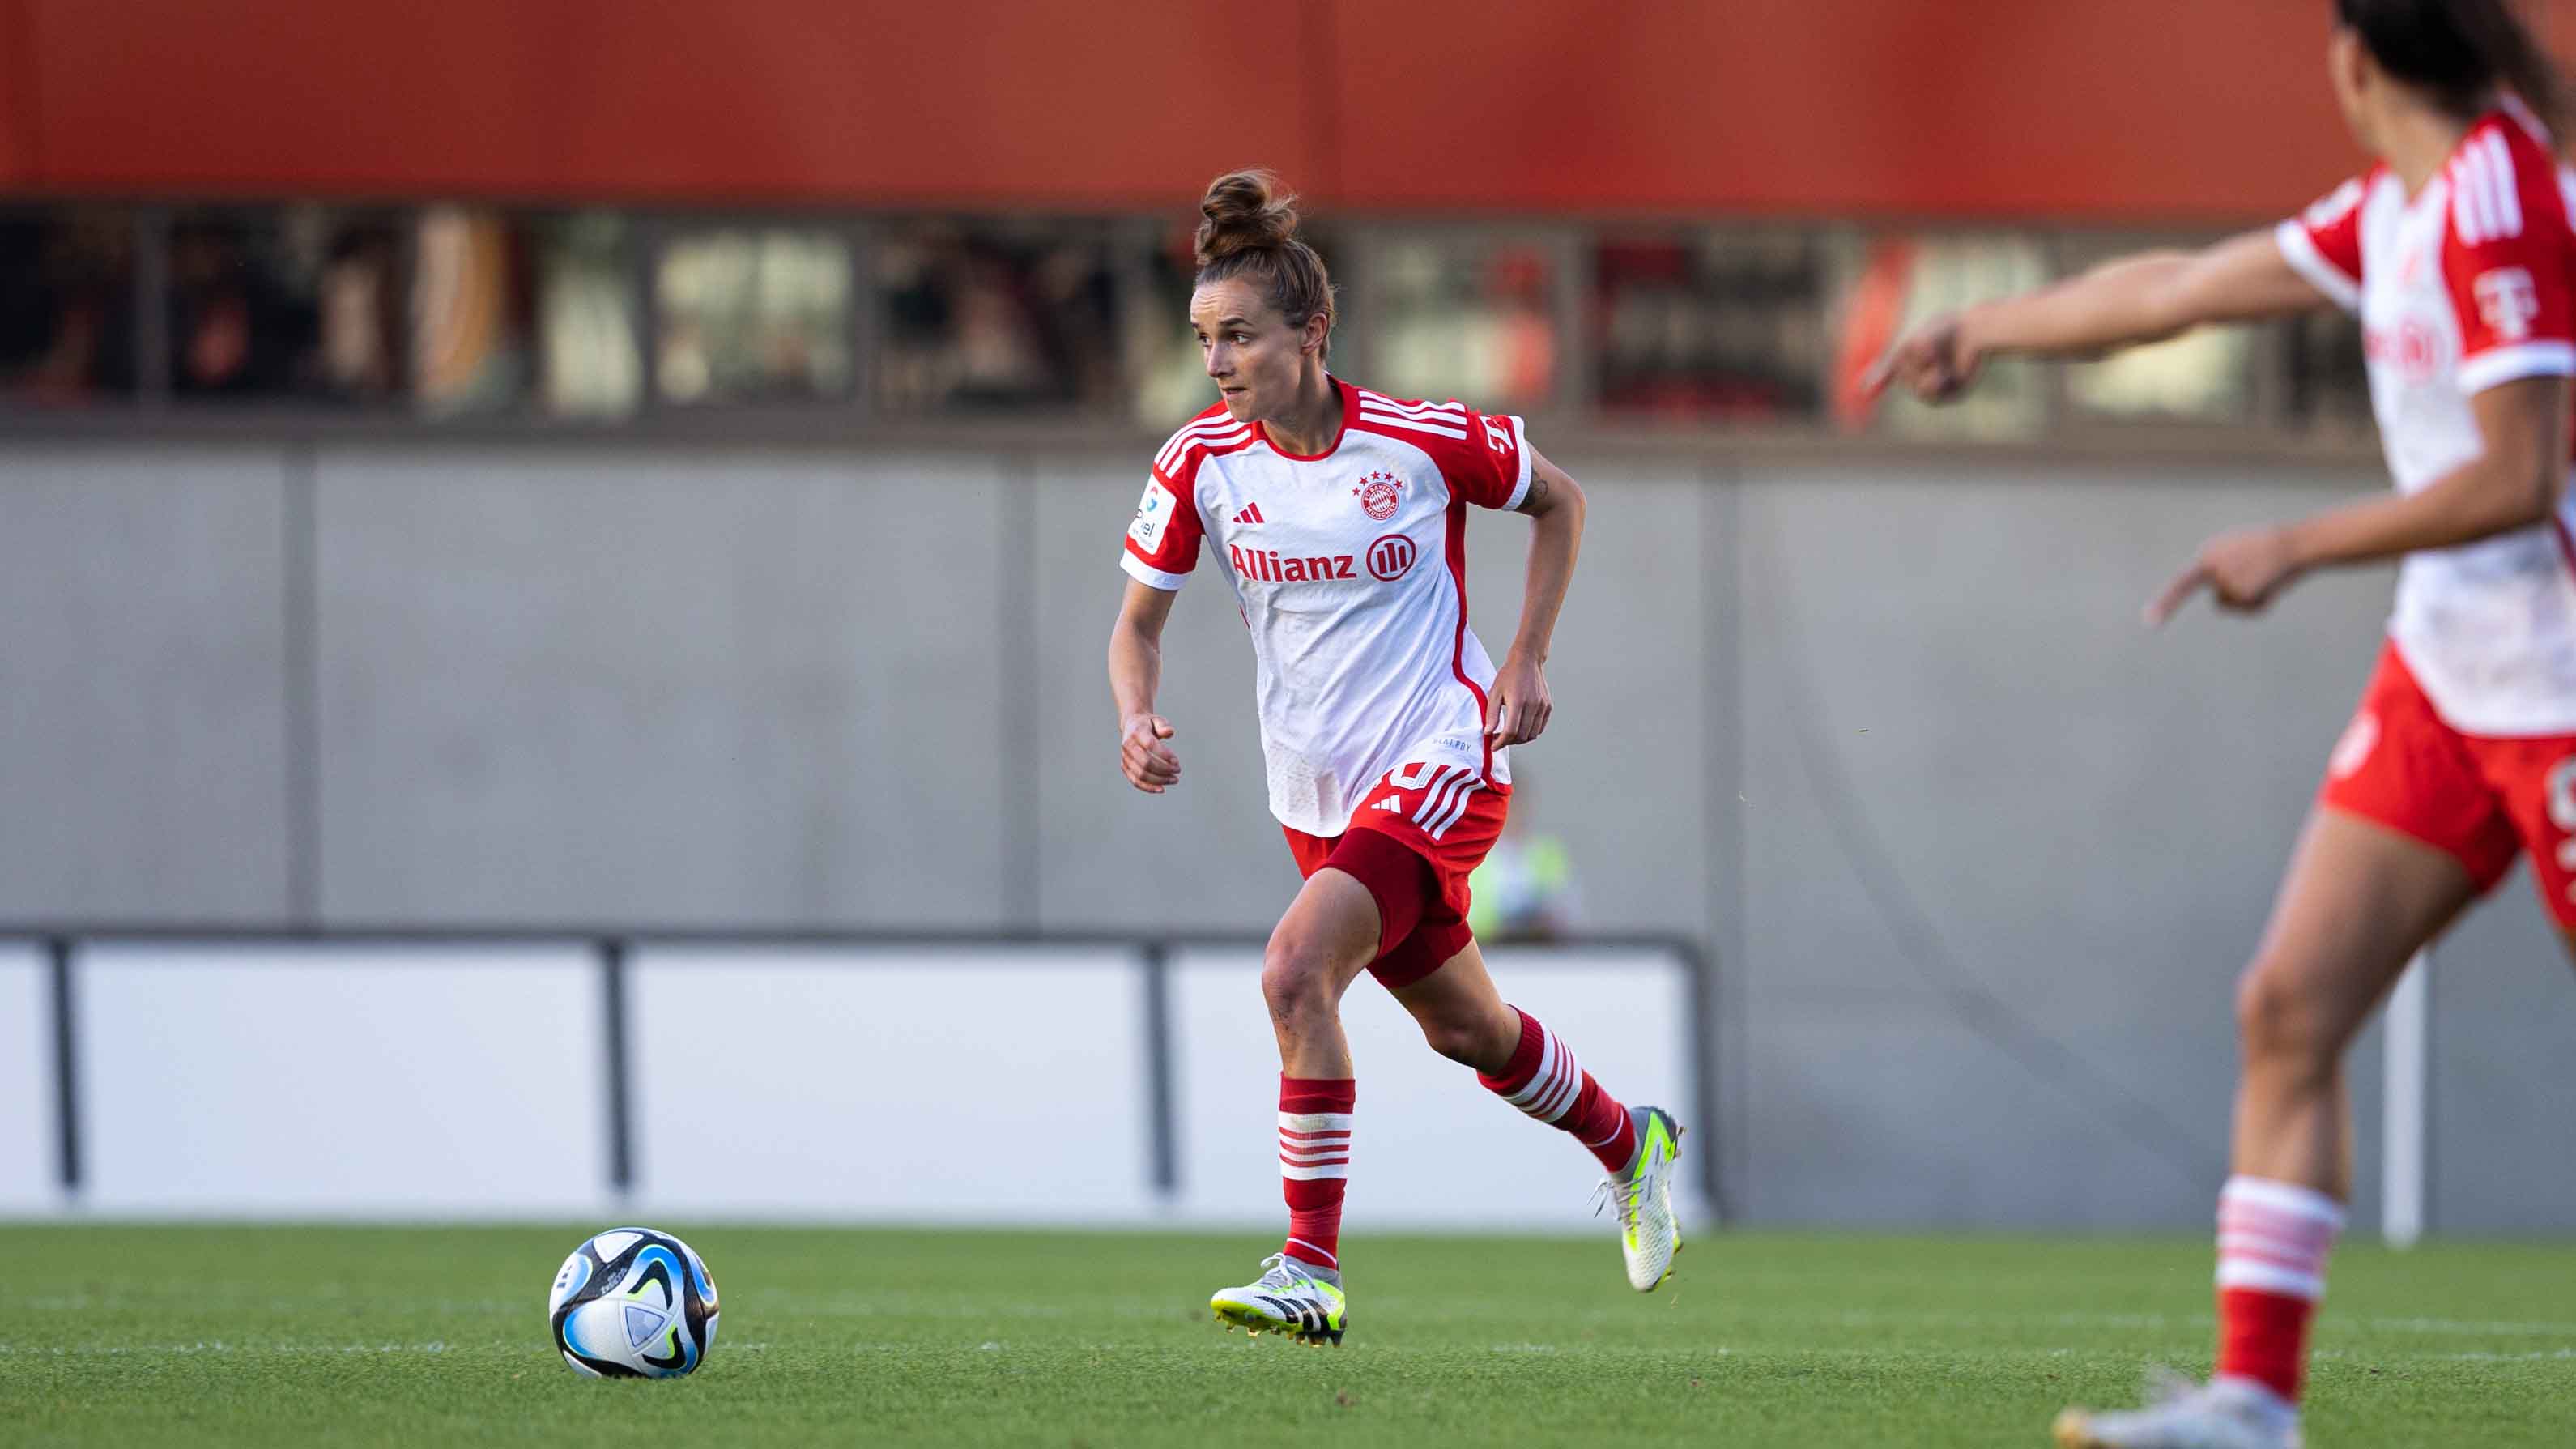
[(633, 1303)]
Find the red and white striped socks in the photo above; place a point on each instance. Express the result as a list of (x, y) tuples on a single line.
[(2273, 1238), (1315, 1164), (1544, 1080)]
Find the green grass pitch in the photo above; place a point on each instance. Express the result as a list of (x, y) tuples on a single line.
[(113, 1335)]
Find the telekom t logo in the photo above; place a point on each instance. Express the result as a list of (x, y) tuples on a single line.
[(2508, 302)]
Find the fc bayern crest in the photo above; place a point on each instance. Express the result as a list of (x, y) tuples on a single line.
[(1377, 495)]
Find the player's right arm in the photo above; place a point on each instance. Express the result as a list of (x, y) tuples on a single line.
[(2145, 297), (1162, 546), (1135, 672)]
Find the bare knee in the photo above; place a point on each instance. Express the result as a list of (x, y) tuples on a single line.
[(1297, 982), (1471, 1038), (2285, 1021), (1459, 1038)]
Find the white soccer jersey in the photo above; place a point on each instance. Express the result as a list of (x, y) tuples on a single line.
[(2462, 287), (1350, 568)]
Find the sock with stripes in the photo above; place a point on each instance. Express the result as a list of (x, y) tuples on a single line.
[(1544, 1080), (1314, 1164), (2273, 1238)]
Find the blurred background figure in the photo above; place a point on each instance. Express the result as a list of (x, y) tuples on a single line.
[(1525, 889)]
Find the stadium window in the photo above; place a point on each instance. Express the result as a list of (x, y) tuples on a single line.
[(509, 309), (1886, 283), (67, 305), (2329, 378), (2209, 376), (470, 311), (1464, 317), (590, 339), (995, 317), (1718, 327), (299, 303), (754, 315), (2203, 376)]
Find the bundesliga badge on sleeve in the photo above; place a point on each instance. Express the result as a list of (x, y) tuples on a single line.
[(1153, 515)]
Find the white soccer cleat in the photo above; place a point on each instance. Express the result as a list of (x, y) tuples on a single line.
[(1649, 1231), (1290, 1297), (2221, 1414)]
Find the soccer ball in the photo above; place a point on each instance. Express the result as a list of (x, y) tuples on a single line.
[(633, 1303)]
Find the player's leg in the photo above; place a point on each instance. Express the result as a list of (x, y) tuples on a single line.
[(1329, 934), (1466, 1020), (1438, 974), (2358, 901), (1516, 1058), (2409, 830)]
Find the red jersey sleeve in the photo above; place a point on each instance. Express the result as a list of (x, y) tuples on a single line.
[(2323, 244), (1492, 468), (1163, 541), (2506, 256)]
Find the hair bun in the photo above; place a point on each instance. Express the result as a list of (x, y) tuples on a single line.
[(1245, 211)]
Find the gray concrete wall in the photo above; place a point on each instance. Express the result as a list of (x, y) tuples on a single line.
[(1979, 856)]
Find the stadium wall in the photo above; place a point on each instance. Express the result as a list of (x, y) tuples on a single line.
[(2169, 112), (1976, 855)]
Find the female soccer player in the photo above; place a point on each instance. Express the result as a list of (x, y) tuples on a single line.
[(1339, 517), (2456, 250)]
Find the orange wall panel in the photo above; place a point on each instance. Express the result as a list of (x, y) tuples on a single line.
[(2169, 108), (2107, 110), (17, 110), (992, 101)]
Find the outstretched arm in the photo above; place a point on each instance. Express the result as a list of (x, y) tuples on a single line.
[(1135, 673), (1520, 705), (2140, 298), (2514, 483)]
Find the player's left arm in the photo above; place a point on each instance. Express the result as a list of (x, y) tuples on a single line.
[(2514, 483), (1520, 707)]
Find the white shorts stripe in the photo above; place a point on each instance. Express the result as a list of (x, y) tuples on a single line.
[(1441, 780), (1435, 801), (1457, 808)]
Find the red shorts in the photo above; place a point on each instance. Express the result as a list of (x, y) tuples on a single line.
[(1417, 835), (2478, 798)]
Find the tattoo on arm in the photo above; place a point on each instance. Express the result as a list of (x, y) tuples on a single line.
[(1536, 498)]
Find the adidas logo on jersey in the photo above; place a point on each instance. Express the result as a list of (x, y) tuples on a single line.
[(1251, 514), (1389, 803), (1267, 566)]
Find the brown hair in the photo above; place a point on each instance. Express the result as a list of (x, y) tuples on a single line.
[(1250, 234), (2459, 51)]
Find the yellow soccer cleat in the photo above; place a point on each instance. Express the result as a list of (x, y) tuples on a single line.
[(1649, 1231), (1298, 1299)]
